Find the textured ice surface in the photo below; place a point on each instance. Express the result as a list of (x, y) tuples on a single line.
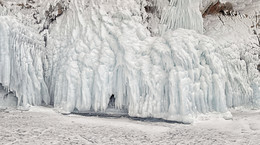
[(97, 49), (21, 65), (183, 14)]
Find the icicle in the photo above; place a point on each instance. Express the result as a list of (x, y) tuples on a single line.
[(183, 14)]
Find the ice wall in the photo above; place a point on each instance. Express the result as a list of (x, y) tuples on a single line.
[(103, 50), (20, 62), (239, 48)]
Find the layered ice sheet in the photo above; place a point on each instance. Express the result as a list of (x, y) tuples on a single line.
[(100, 49)]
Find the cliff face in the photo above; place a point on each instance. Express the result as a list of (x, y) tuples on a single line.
[(151, 56)]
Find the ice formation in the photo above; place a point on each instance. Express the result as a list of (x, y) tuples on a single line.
[(21, 64), (97, 49), (183, 14), (7, 99)]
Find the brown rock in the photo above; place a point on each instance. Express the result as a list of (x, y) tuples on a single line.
[(224, 8)]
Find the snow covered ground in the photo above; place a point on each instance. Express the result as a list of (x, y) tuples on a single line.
[(44, 126)]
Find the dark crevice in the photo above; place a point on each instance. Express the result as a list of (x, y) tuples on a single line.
[(45, 40), (143, 119), (112, 100)]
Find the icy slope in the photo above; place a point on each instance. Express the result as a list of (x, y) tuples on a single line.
[(84, 52)]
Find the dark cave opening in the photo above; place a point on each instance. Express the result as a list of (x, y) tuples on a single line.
[(112, 100)]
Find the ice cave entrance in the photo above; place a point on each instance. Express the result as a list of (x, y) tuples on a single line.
[(112, 100), (7, 98)]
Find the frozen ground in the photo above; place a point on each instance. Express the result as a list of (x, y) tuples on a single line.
[(45, 126)]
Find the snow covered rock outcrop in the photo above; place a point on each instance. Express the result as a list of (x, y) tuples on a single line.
[(136, 51)]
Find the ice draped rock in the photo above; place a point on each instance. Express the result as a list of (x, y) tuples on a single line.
[(99, 49), (154, 78), (20, 62), (105, 52)]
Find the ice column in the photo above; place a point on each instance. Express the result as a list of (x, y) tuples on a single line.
[(182, 14)]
